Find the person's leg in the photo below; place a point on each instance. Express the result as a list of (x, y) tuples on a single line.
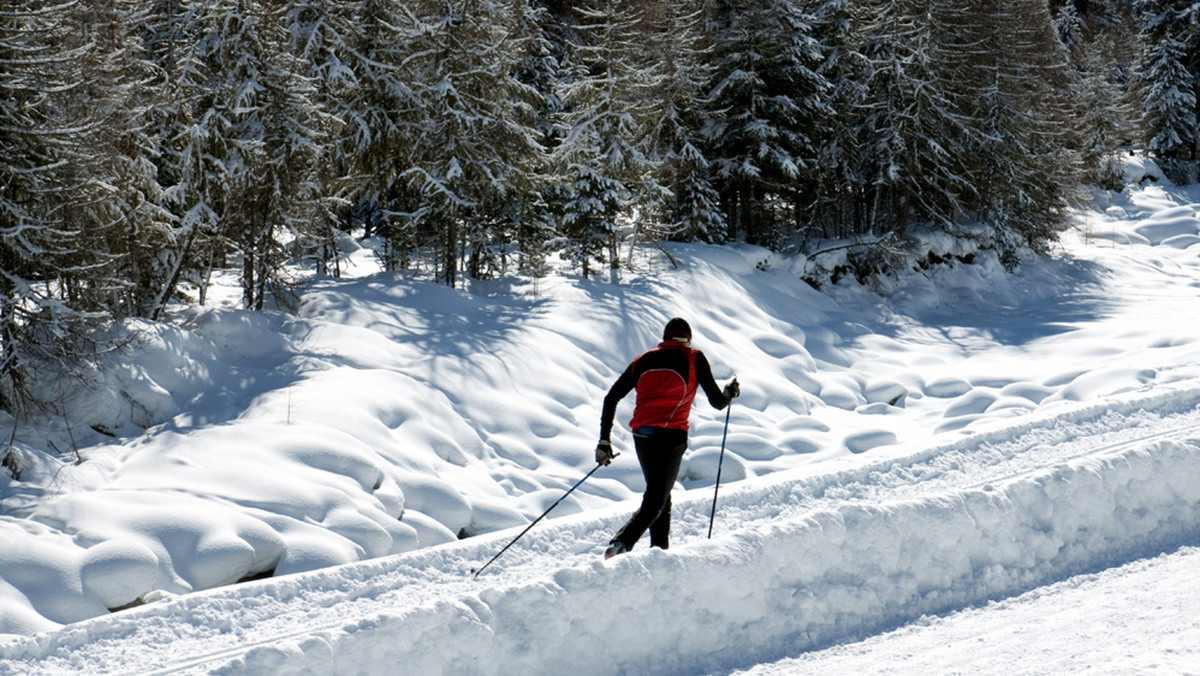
[(660, 528), (660, 455)]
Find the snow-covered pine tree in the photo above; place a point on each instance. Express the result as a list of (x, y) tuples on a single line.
[(374, 147), (1012, 81), (912, 130), (284, 132), (538, 68), (680, 201), (766, 98), (194, 136), (472, 148), (600, 161), (126, 216), (1067, 22), (1105, 103), (323, 36), (53, 283), (262, 136), (838, 207), (1170, 85), (1104, 59)]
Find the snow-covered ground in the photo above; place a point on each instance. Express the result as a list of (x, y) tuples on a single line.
[(801, 560), (1131, 619), (973, 473)]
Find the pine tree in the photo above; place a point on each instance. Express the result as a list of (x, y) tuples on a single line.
[(251, 141), (681, 201), (1106, 113), (193, 132), (1014, 86), (126, 215), (766, 97), (539, 70), (383, 115), (53, 281), (472, 148), (600, 160), (282, 131), (1104, 59), (323, 37), (912, 130), (838, 208), (1169, 85)]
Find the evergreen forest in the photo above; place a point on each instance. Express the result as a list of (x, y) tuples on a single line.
[(145, 144)]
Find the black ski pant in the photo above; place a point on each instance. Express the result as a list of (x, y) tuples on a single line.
[(660, 451)]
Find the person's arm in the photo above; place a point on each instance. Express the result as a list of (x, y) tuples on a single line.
[(616, 393), (718, 398)]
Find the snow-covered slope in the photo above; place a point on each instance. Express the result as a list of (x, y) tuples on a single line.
[(968, 436), (800, 560)]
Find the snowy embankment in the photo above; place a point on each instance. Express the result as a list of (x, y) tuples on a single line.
[(1131, 619), (946, 439), (800, 560)]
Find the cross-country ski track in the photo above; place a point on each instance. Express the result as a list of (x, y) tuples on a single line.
[(864, 546)]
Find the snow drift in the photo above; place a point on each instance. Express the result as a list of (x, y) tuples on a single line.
[(800, 560), (391, 416), (799, 584)]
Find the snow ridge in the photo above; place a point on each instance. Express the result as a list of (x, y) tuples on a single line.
[(809, 582), (819, 560)]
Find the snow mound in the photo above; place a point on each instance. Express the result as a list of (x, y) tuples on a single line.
[(840, 572), (1170, 224), (390, 414), (826, 558)]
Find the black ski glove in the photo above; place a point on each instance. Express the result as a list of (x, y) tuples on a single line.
[(732, 390), (604, 452)]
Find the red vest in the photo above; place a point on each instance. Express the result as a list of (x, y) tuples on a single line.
[(663, 399)]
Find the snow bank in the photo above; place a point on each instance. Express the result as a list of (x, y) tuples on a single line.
[(800, 560), (786, 587), (1132, 619)]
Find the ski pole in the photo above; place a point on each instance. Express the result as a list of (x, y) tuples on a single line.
[(522, 533), (720, 461)]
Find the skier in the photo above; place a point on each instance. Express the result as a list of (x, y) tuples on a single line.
[(666, 379)]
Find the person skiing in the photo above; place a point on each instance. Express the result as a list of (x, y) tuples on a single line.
[(666, 379)]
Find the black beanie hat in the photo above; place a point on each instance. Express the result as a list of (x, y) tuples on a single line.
[(677, 329)]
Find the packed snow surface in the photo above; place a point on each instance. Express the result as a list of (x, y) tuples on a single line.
[(920, 477)]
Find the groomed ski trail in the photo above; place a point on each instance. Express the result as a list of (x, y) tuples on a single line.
[(820, 558)]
